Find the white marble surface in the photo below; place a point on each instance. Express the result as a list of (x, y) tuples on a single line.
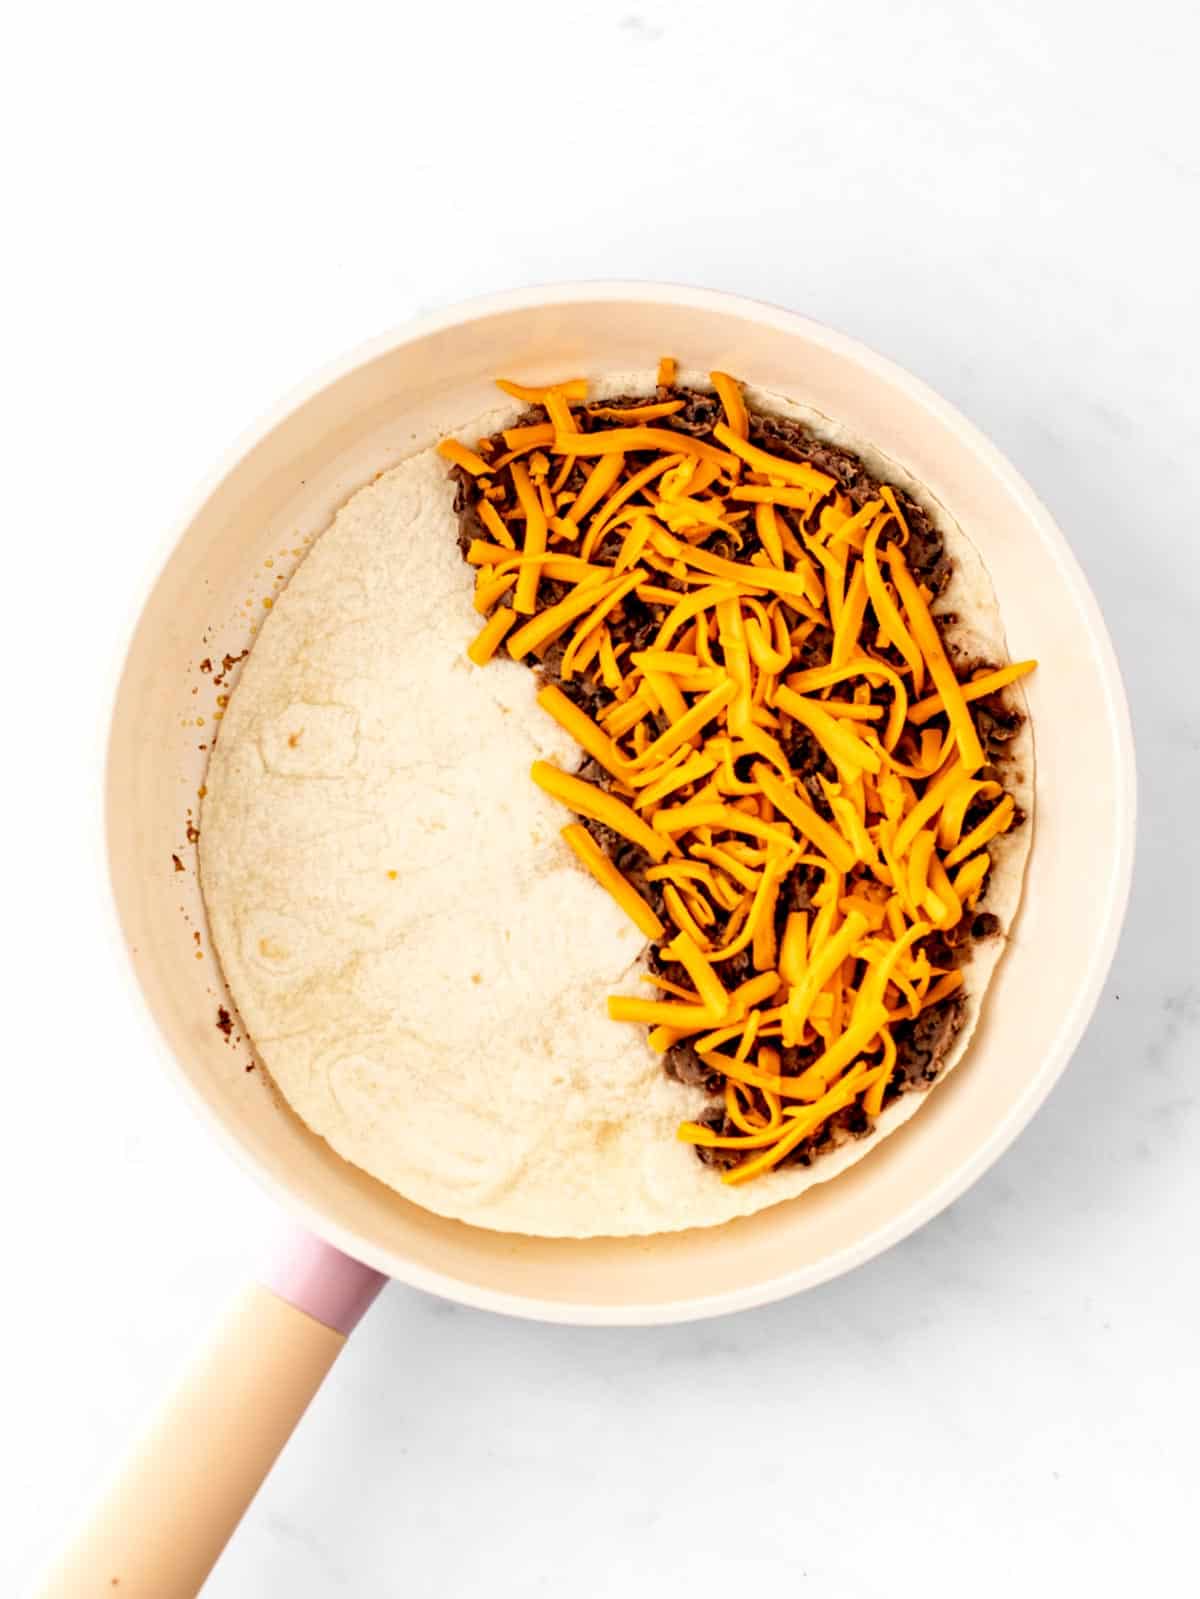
[(1001, 197)]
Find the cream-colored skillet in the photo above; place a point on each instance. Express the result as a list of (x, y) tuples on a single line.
[(409, 940), (174, 1503)]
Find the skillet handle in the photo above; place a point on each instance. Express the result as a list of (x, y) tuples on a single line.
[(161, 1523)]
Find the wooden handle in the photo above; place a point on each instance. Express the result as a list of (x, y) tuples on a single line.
[(174, 1502)]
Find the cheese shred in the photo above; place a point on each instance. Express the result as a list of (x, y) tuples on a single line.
[(801, 822)]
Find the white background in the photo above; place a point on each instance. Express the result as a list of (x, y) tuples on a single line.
[(203, 205)]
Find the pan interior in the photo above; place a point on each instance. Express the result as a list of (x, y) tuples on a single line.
[(236, 551)]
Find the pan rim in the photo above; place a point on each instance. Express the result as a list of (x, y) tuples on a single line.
[(1075, 1016)]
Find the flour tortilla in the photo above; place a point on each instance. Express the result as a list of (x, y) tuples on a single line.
[(419, 958)]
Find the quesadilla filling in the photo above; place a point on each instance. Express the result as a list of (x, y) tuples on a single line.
[(785, 781)]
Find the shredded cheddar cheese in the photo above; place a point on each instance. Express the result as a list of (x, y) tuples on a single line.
[(607, 875), (987, 683), (535, 540), (458, 454), (637, 413), (490, 635), (695, 730)]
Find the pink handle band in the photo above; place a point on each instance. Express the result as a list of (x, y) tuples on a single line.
[(318, 1279)]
